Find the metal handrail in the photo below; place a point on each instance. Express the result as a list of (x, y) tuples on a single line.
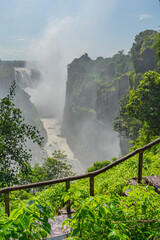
[(91, 175)]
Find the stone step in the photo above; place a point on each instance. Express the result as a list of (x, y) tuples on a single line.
[(153, 181), (150, 180)]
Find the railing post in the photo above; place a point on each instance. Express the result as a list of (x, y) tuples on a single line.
[(6, 199), (91, 185), (68, 202), (140, 167)]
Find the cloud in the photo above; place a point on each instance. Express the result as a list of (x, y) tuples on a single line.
[(20, 39), (144, 16)]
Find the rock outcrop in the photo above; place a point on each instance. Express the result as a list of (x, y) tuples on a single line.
[(92, 100)]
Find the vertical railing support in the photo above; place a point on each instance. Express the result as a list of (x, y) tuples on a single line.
[(68, 202), (6, 199), (140, 167), (91, 185)]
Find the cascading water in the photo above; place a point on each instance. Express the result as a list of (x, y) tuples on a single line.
[(23, 77)]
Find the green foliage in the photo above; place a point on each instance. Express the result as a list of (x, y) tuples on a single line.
[(143, 51), (52, 168), (87, 76), (139, 112), (134, 80), (114, 217), (114, 180), (14, 133), (157, 45), (112, 213), (121, 64), (97, 165), (124, 124), (53, 197), (78, 192), (28, 222), (144, 103), (138, 115)]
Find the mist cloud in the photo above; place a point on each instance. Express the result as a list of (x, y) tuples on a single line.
[(63, 40)]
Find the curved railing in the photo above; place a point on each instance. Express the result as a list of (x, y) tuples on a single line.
[(90, 175)]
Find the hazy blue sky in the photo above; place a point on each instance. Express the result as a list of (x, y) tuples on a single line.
[(98, 27)]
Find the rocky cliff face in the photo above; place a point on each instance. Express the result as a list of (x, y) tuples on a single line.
[(107, 108), (92, 100), (22, 100), (107, 102)]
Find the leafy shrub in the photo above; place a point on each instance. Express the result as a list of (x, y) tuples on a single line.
[(115, 217), (27, 222), (53, 196), (97, 165)]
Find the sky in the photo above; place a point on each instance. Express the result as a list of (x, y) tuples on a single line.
[(32, 29)]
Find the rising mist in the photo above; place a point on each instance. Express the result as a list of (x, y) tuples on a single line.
[(61, 41)]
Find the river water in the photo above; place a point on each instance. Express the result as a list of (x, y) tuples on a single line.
[(57, 142)]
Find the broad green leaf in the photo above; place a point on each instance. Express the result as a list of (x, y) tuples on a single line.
[(41, 208), (30, 202), (14, 214), (75, 232), (25, 220)]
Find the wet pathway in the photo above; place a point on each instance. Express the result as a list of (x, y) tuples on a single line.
[(57, 232)]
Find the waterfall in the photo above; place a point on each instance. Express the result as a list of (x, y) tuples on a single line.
[(23, 77)]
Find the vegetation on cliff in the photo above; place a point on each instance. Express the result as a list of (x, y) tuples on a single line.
[(86, 76), (143, 51), (139, 113), (91, 104)]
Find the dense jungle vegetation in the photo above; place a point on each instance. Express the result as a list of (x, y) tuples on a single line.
[(109, 214)]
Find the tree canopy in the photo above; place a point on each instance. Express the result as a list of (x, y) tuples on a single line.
[(143, 51), (124, 124), (52, 168), (144, 102), (140, 109), (14, 132), (139, 112)]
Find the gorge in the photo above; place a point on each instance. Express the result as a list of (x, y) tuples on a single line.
[(94, 89), (92, 100), (28, 78)]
